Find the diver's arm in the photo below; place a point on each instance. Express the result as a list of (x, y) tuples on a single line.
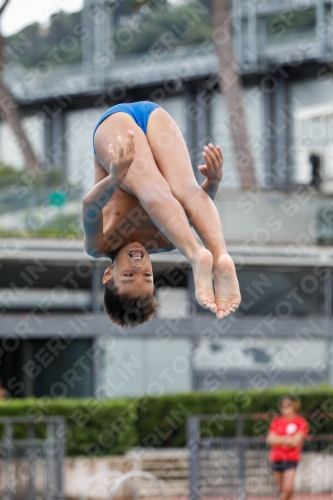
[(92, 215), (101, 193)]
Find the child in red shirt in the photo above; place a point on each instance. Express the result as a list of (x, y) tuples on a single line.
[(285, 437)]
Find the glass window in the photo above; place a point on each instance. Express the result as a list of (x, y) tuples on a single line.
[(253, 100), (280, 292), (36, 274), (290, 27), (79, 126), (59, 368), (248, 362), (131, 366)]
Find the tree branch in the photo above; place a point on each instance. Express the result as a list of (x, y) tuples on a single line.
[(4, 5)]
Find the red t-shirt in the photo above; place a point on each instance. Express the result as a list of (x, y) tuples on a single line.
[(283, 426)]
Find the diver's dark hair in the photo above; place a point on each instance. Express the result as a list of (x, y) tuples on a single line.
[(126, 311)]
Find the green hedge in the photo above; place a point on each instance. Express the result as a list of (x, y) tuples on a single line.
[(93, 427), (162, 420), (111, 427)]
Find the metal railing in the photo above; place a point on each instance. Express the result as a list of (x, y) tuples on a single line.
[(31, 458), (238, 468)]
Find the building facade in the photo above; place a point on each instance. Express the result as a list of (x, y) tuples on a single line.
[(55, 338)]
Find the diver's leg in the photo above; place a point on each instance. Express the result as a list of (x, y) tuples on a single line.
[(173, 160)]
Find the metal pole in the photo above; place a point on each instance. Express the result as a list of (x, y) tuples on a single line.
[(87, 41), (327, 291), (252, 40), (8, 448), (239, 427), (241, 494), (327, 295), (281, 134), (30, 456), (60, 458), (194, 306), (202, 128), (50, 471), (268, 149), (190, 124), (193, 446), (96, 280)]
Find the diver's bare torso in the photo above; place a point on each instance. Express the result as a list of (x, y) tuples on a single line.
[(125, 220)]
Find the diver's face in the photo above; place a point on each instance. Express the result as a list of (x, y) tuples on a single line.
[(132, 271)]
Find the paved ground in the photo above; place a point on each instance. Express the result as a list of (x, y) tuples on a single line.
[(297, 496)]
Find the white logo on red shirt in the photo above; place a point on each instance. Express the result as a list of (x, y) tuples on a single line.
[(291, 428)]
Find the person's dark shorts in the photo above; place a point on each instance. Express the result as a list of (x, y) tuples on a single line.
[(283, 466)]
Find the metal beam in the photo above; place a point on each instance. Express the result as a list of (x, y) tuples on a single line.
[(71, 252), (92, 79), (320, 22), (282, 129), (283, 6), (252, 40), (93, 325), (96, 280), (268, 143), (190, 124)]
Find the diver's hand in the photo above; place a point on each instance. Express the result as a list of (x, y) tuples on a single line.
[(122, 160), (212, 168)]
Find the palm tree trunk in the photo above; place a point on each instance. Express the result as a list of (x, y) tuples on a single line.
[(231, 86), (8, 108), (10, 112)]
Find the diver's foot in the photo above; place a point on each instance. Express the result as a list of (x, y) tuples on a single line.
[(202, 265), (227, 294)]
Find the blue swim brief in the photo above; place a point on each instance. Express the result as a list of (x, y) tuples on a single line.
[(139, 111)]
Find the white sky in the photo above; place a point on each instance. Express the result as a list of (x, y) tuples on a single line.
[(20, 13)]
